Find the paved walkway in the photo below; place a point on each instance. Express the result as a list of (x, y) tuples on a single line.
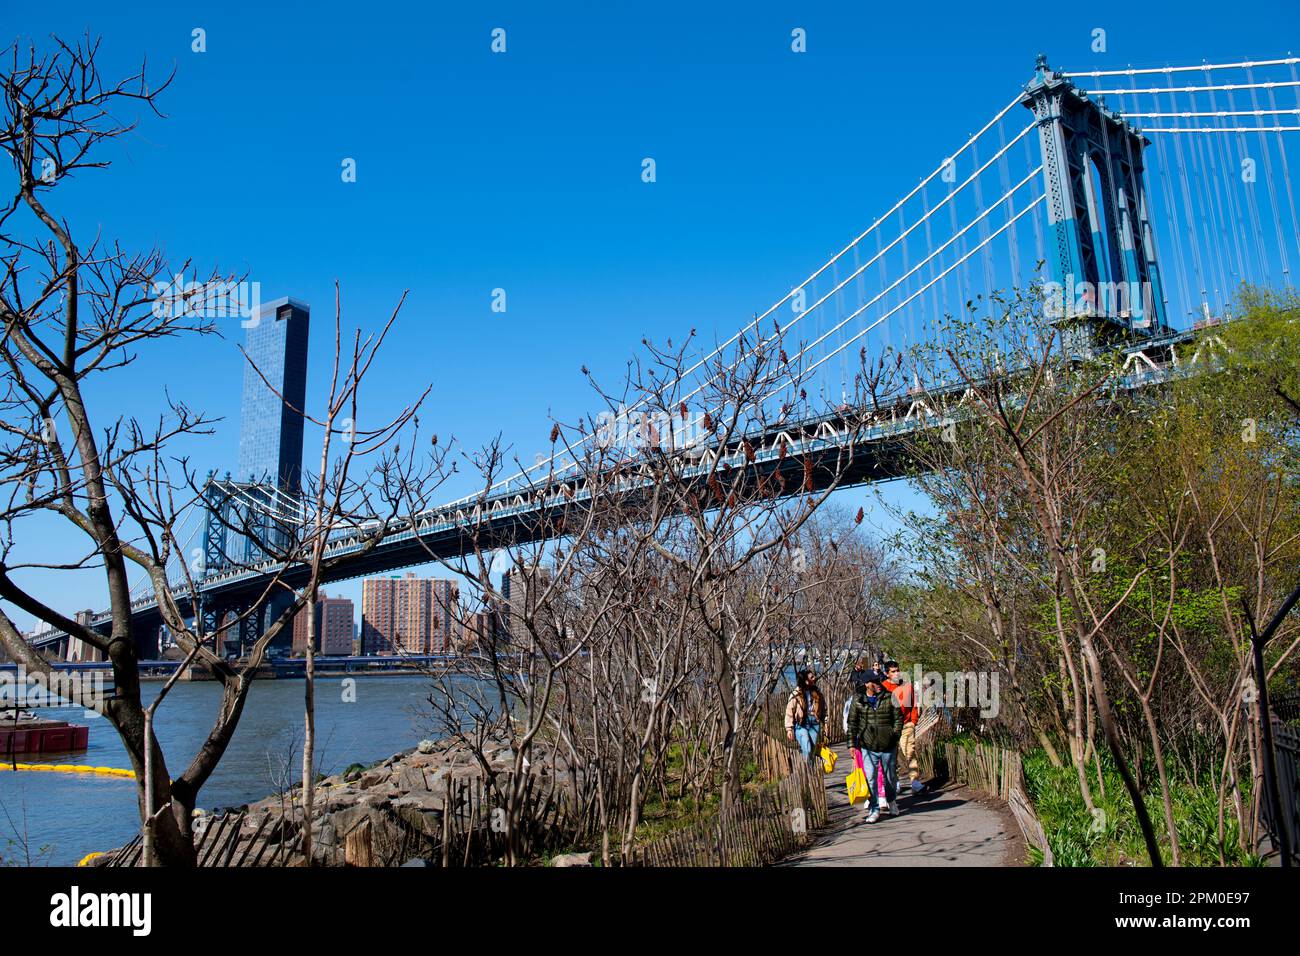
[(948, 827)]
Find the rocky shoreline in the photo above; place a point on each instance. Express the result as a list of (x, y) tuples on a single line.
[(397, 805)]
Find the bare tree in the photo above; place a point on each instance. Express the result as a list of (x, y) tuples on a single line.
[(1038, 400), (79, 312), (657, 588)]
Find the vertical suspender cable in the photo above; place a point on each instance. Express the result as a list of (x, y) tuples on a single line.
[(1231, 214), (931, 316), (1040, 254), (1286, 167), (1272, 189), (960, 280), (987, 256), (1004, 179), (909, 327), (884, 280), (1188, 214), (1253, 225), (1170, 223), (1219, 218), (1209, 222), (862, 290)]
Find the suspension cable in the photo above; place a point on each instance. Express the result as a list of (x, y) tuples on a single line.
[(1184, 69), (980, 218), (1198, 89), (504, 482), (1212, 113), (1003, 228)]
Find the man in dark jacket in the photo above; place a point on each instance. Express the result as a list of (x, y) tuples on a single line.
[(875, 725)]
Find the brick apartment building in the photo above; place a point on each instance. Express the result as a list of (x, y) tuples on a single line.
[(332, 625), (409, 615)]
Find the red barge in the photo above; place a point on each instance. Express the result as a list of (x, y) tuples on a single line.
[(37, 735)]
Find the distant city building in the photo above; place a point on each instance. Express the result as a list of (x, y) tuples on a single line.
[(270, 430), (519, 593), (478, 631), (270, 434), (330, 627), (408, 615)]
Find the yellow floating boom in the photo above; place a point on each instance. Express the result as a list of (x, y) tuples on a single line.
[(70, 768)]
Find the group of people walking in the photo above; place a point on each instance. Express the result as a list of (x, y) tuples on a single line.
[(880, 720)]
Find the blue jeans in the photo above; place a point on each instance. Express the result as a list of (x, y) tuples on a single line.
[(806, 737), (871, 760)]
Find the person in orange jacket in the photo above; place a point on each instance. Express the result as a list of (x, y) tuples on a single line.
[(905, 694)]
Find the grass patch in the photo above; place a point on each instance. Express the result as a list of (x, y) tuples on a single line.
[(1113, 838)]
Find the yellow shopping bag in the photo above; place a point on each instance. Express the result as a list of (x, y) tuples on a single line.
[(856, 784), (828, 758)]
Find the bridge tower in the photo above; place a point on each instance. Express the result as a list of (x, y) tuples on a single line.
[(216, 557), (1101, 246), (215, 526)]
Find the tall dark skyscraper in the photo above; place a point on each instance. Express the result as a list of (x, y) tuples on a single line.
[(270, 435), (270, 431)]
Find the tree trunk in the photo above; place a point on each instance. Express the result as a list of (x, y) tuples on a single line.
[(309, 733)]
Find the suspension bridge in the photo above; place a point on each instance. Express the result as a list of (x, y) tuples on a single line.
[(1139, 200)]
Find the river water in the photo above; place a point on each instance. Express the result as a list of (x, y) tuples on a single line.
[(60, 817)]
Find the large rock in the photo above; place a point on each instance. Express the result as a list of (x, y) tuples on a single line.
[(423, 815), (426, 746), (572, 859), (437, 779), (341, 799), (324, 833), (411, 780), (280, 830), (422, 800), (345, 821)]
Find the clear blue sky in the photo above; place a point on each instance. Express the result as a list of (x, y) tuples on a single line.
[(523, 170)]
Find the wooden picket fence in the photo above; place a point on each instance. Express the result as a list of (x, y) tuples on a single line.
[(218, 843), (764, 827), (222, 840), (472, 833)]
